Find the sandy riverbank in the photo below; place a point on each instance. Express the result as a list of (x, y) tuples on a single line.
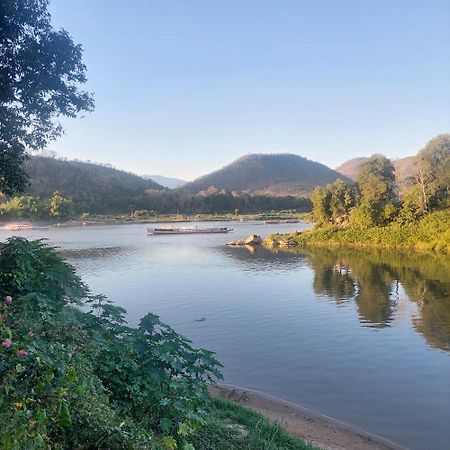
[(321, 430)]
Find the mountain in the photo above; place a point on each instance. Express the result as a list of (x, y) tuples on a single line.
[(404, 169), (98, 187), (267, 174), (171, 183), (351, 167)]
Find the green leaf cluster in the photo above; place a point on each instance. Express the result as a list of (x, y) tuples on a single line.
[(74, 375)]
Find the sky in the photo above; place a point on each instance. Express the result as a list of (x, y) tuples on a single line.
[(183, 87)]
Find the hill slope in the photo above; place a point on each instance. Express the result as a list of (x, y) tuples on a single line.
[(269, 174), (99, 188)]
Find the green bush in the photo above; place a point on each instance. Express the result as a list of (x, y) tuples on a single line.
[(431, 232), (74, 375)]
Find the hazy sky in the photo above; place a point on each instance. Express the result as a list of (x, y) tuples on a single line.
[(182, 87)]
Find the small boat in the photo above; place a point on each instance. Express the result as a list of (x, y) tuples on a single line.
[(291, 221), (187, 230), (272, 222), (18, 226)]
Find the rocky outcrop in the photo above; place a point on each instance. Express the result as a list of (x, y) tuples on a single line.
[(252, 240)]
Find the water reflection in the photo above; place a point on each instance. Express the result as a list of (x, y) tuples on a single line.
[(260, 259), (374, 280)]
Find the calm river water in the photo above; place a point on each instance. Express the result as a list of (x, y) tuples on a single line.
[(362, 336)]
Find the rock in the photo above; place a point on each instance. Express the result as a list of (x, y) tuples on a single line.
[(271, 243), (253, 239), (237, 243), (288, 243)]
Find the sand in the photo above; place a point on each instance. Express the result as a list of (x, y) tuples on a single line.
[(318, 429)]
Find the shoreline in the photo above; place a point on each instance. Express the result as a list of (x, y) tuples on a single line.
[(126, 220), (321, 430)]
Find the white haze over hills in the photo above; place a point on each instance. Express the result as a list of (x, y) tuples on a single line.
[(171, 183)]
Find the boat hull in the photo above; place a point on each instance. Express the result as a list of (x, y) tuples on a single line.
[(170, 231)]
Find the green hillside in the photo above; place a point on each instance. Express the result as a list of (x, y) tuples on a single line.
[(92, 187), (267, 174)]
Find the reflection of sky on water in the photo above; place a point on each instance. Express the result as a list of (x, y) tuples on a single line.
[(361, 336)]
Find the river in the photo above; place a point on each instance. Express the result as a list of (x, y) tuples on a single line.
[(361, 336)]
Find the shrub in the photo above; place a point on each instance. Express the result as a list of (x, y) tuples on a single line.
[(81, 378)]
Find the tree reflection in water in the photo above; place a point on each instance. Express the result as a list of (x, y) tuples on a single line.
[(374, 280)]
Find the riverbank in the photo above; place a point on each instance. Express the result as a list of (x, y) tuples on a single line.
[(165, 218), (430, 233), (322, 431)]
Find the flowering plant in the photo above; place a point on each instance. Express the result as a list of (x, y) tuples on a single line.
[(74, 377)]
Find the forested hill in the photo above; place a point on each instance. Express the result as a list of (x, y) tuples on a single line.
[(268, 174), (404, 167), (87, 184)]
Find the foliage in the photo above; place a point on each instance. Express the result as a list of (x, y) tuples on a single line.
[(232, 426), (60, 206), (432, 231), (80, 378), (433, 174), (376, 183), (40, 71), (375, 203), (333, 203)]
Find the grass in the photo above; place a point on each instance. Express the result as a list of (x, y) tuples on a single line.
[(231, 426), (430, 233)]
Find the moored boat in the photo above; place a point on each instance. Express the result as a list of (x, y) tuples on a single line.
[(187, 230), (18, 226)]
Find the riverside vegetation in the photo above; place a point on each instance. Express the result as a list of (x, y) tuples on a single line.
[(74, 375), (370, 212)]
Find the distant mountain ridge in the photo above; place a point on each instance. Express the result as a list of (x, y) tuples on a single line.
[(267, 174), (171, 183), (87, 183)]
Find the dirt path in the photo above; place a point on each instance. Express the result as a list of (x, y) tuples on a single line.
[(321, 430)]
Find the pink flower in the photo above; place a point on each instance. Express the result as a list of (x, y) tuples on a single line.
[(30, 333), (7, 343), (8, 299), (22, 353)]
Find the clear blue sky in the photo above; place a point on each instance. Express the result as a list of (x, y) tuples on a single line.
[(182, 87)]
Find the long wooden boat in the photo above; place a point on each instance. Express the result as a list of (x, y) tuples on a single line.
[(18, 226), (187, 230)]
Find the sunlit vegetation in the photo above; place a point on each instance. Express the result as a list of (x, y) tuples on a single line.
[(231, 426), (372, 213), (73, 375)]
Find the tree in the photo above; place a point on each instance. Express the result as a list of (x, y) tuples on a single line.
[(333, 202), (321, 200), (60, 206), (376, 183), (40, 73), (433, 172)]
